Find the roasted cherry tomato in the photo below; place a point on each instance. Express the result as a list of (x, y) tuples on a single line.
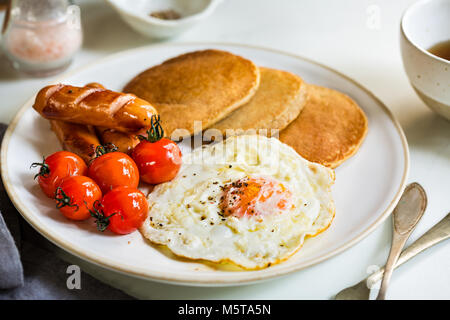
[(76, 195), (122, 210), (113, 169), (157, 158), (56, 167)]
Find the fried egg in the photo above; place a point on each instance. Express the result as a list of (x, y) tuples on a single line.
[(249, 200)]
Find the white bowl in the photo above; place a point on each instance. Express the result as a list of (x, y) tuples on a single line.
[(136, 13), (423, 25)]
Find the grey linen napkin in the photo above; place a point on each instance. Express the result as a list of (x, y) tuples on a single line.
[(28, 270)]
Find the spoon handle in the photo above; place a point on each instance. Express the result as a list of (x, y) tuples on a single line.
[(398, 242), (406, 215), (439, 232)]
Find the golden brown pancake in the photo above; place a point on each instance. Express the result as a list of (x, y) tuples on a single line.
[(197, 86), (330, 128), (277, 102)]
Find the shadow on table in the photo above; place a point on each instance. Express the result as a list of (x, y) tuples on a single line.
[(167, 291), (429, 132), (102, 27), (7, 71)]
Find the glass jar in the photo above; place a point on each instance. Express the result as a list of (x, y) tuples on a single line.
[(41, 37)]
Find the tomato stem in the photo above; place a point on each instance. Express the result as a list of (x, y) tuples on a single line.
[(63, 200), (107, 148), (101, 220), (156, 131), (44, 170)]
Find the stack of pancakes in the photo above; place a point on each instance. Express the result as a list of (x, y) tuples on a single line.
[(214, 89)]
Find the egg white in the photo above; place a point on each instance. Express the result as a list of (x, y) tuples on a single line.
[(184, 214)]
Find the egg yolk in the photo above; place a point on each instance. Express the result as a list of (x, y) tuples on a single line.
[(255, 196)]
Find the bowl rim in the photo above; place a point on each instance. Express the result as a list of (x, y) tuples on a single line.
[(413, 43), (155, 21)]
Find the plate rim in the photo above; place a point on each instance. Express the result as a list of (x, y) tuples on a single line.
[(246, 277)]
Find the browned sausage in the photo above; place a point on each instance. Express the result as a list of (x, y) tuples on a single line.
[(125, 142), (76, 138), (93, 105)]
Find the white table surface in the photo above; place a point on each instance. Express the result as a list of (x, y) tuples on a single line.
[(339, 34)]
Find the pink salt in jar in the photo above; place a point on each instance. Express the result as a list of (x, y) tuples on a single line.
[(41, 38)]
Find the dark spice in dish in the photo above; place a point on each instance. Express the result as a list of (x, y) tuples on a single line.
[(166, 14)]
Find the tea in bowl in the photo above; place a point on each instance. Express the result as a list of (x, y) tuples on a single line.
[(425, 48)]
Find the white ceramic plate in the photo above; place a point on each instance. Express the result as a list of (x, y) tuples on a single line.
[(367, 186)]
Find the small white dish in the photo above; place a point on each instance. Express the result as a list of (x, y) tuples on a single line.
[(367, 188), (423, 25), (136, 13)]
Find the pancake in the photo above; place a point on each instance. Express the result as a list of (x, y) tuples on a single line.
[(330, 128), (277, 102), (201, 86)]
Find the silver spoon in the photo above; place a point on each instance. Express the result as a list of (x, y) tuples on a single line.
[(361, 291), (407, 213)]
